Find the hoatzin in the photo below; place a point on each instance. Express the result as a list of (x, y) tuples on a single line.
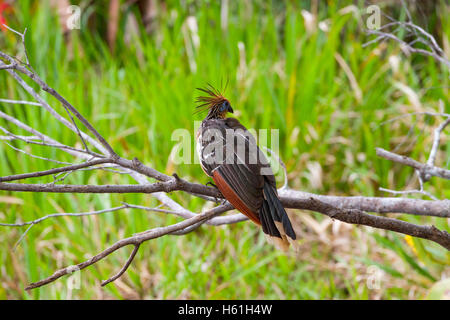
[(228, 153)]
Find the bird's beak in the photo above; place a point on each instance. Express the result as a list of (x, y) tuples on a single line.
[(230, 109)]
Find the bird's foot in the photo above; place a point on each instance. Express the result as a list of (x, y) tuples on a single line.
[(215, 198), (209, 183)]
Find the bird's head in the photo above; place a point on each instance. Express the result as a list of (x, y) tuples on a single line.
[(215, 102)]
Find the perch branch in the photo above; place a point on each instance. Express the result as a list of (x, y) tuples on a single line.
[(354, 216)]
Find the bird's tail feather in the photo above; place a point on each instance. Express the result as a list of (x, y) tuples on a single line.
[(275, 221)]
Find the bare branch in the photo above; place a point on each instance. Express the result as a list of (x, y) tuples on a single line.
[(31, 140), (426, 170), (432, 114), (20, 102), (45, 105), (67, 106), (419, 191), (439, 208), (54, 215), (7, 66), (407, 47), (35, 156), (421, 35), (166, 186), (55, 170), (50, 141), (134, 240), (16, 137), (436, 141), (356, 216), (22, 36), (124, 268)]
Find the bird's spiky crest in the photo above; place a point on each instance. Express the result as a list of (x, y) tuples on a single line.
[(214, 98)]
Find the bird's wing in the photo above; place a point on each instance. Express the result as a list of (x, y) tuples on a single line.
[(230, 155)]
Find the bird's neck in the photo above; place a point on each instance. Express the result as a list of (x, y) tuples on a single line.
[(215, 115)]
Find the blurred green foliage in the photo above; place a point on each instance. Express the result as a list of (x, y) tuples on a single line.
[(285, 66)]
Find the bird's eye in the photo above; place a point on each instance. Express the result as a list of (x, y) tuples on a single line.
[(224, 106)]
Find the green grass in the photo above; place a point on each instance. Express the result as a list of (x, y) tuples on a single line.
[(283, 77)]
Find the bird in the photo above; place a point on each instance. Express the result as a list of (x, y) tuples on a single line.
[(229, 154)]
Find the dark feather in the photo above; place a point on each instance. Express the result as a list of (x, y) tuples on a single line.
[(267, 221), (277, 210), (241, 182)]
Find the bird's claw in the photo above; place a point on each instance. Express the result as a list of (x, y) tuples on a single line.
[(209, 183), (215, 198)]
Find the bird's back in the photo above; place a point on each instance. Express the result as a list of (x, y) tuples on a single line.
[(229, 154)]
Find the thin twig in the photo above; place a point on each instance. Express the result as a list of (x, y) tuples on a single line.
[(20, 102), (426, 170), (16, 137), (54, 171), (134, 240), (124, 268), (35, 156), (436, 141)]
